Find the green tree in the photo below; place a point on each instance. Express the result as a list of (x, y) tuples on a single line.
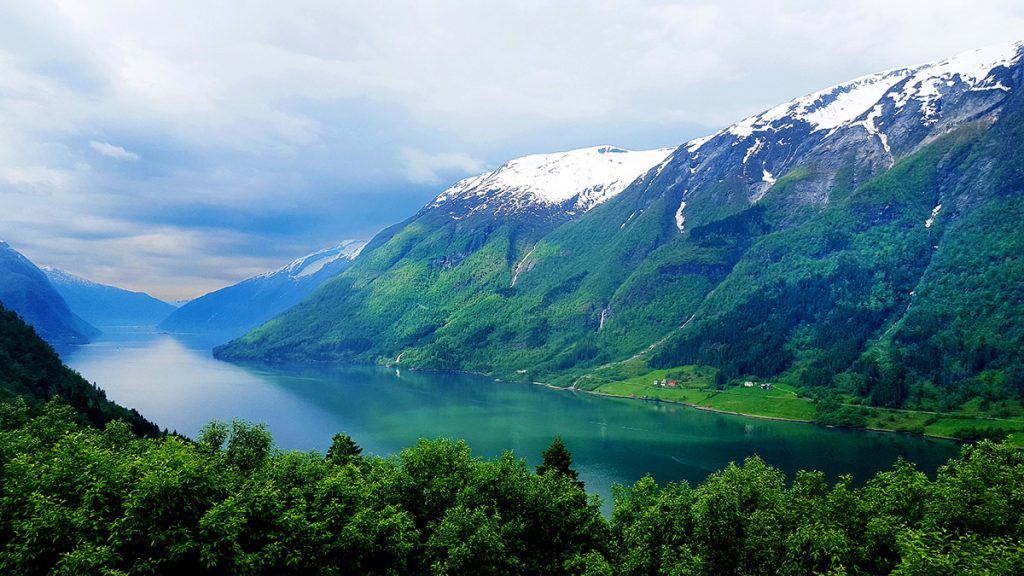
[(249, 445), (75, 499), (343, 450), (557, 459)]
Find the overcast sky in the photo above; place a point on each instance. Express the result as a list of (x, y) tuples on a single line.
[(180, 146)]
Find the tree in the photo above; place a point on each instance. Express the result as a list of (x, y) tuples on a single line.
[(558, 459), (249, 445), (213, 436), (343, 450)]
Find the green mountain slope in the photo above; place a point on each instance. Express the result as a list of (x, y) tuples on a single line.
[(30, 369), (884, 267), (815, 294)]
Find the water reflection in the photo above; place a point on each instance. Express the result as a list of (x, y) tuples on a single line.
[(179, 385)]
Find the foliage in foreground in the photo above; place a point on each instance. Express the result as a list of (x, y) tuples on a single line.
[(78, 500)]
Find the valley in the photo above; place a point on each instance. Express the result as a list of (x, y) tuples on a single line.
[(528, 289)]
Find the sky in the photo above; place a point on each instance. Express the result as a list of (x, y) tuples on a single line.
[(178, 147)]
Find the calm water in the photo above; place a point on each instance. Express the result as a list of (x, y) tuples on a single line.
[(180, 386)]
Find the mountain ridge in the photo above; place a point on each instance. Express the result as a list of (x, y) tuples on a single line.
[(104, 305), (26, 290), (230, 311), (774, 202), (574, 181)]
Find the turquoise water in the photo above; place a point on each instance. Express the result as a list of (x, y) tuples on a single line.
[(180, 386)]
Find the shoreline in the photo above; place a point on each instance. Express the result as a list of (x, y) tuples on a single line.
[(397, 365), (732, 413), (687, 405)]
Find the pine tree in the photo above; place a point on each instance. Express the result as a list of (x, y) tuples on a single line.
[(343, 449), (558, 460)]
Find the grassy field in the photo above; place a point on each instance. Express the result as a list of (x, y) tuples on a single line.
[(696, 388)]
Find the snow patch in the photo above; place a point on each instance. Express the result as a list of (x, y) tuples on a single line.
[(631, 216), (767, 177), (680, 219), (662, 166), (850, 101), (316, 265), (753, 150), (929, 81), (312, 263), (695, 144), (590, 175), (841, 105), (931, 219), (870, 124), (829, 108)]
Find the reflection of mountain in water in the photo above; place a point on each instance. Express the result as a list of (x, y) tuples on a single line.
[(612, 440)]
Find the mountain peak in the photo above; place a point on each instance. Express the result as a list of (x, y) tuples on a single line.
[(65, 277), (575, 180), (845, 103), (233, 310), (312, 263)]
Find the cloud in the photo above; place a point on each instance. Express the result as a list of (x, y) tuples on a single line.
[(425, 168), (113, 151), (287, 127)]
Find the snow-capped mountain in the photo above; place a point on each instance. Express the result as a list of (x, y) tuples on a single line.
[(231, 311), (816, 227), (25, 289), (873, 120), (862, 100), (107, 306), (311, 264), (563, 183)]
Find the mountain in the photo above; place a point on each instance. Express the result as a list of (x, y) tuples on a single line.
[(31, 370), (25, 289), (456, 250), (552, 186), (230, 312), (106, 306), (864, 237)]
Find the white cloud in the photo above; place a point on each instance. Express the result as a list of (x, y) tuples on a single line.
[(425, 168), (306, 106), (113, 151)]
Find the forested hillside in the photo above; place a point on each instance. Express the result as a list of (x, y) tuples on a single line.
[(32, 371), (864, 238)]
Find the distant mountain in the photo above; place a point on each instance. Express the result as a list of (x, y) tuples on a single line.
[(25, 289), (107, 306), (865, 237), (232, 311)]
